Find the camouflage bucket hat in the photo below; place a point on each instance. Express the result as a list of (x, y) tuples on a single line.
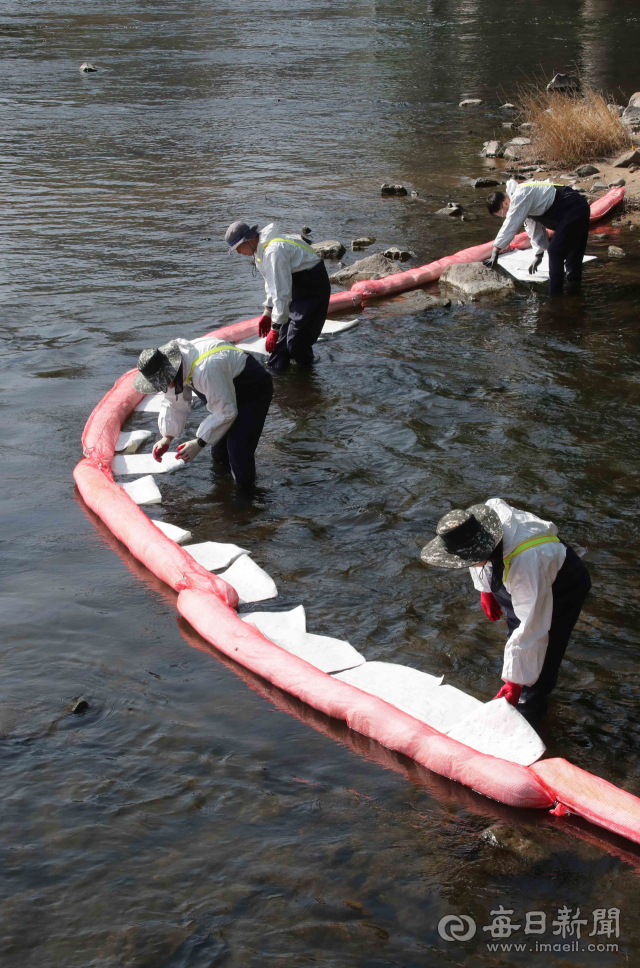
[(157, 368), (464, 538)]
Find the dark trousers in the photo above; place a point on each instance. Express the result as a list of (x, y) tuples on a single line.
[(236, 450), (569, 591), (311, 290), (569, 218)]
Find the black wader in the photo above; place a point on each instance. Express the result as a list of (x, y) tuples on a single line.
[(236, 450), (308, 310), (569, 218), (569, 591)]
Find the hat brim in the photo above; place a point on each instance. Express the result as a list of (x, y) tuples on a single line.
[(159, 382), (481, 547)]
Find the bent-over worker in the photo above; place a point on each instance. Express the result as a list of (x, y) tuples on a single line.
[(297, 291), (519, 564), (235, 389), (542, 206)]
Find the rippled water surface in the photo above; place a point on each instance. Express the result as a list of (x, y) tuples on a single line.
[(194, 815)]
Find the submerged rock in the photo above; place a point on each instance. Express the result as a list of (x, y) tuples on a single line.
[(372, 267), (389, 189), (305, 230), (330, 249), (508, 107), (615, 252), (598, 187), (620, 183), (585, 170), (87, 68), (363, 243), (471, 102), (417, 301), (474, 279), (486, 183), (563, 83), (509, 838), (401, 255), (79, 706), (451, 208)]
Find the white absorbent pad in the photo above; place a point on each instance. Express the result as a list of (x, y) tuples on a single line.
[(274, 624), (130, 440), (500, 730), (416, 693), (179, 535), (517, 265), (150, 403), (250, 581), (143, 491), (332, 326), (214, 554), (256, 344), (287, 629), (145, 464)]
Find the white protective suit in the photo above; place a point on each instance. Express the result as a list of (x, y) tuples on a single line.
[(529, 580), (276, 263), (214, 378), (525, 200)]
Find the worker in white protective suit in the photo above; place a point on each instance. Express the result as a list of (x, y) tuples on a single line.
[(235, 389), (297, 291), (541, 205), (519, 565)]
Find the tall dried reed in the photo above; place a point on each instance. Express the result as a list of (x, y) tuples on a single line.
[(571, 128)]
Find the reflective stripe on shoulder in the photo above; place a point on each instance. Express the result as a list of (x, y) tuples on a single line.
[(300, 245), (545, 184), (203, 356), (524, 546)]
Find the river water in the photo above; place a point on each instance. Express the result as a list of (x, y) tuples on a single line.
[(194, 816)]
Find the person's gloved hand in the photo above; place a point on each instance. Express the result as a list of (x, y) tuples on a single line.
[(490, 606), (533, 268), (188, 450), (490, 263), (511, 692), (264, 325), (161, 448), (272, 339)]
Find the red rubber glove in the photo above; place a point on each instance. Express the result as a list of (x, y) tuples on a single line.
[(161, 447), (264, 325), (490, 606), (272, 339), (511, 692)]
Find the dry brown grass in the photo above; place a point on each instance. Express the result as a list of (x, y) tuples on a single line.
[(572, 128)]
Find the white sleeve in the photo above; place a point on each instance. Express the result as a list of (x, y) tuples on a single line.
[(481, 577), (278, 281), (538, 235), (530, 579), (174, 412), (221, 401), (518, 211)]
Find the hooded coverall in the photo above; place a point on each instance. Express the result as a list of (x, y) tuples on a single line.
[(542, 206), (541, 588), (236, 391), (298, 291)]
